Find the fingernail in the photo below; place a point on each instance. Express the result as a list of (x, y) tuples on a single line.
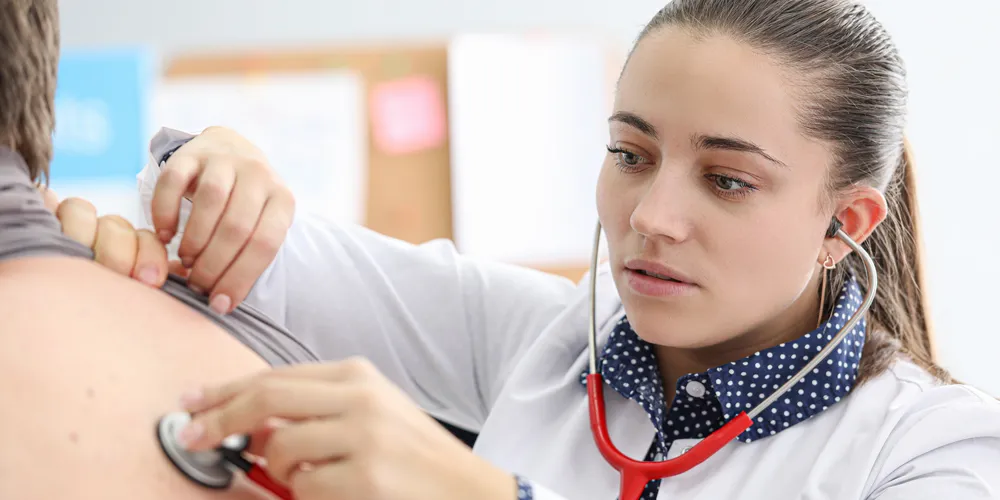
[(191, 399), (191, 433), (221, 303), (186, 262), (148, 275), (164, 235)]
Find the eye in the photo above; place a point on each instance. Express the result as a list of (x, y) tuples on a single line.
[(627, 160), (731, 187), (729, 183)]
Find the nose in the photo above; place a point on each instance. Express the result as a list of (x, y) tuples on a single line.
[(663, 210)]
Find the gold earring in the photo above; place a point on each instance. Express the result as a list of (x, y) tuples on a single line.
[(828, 264)]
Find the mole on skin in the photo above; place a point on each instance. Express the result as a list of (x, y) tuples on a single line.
[(73, 436)]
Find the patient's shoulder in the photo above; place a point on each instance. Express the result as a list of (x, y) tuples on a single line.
[(95, 359), (76, 288)]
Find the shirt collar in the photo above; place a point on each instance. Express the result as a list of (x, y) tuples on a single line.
[(710, 398)]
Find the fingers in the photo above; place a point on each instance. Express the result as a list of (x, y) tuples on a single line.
[(151, 260), (78, 218), (234, 229), (358, 369), (176, 268), (208, 203), (305, 443), (239, 217), (236, 282), (49, 198), (178, 175), (116, 244), (287, 398), (334, 479)]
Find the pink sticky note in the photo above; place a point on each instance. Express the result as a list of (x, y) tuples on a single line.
[(408, 115)]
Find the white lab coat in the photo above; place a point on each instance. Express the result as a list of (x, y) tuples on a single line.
[(500, 349)]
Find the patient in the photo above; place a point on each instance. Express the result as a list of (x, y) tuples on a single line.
[(90, 359)]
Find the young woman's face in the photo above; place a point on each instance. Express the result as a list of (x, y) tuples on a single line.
[(711, 181)]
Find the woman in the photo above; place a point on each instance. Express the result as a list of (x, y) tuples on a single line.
[(740, 130)]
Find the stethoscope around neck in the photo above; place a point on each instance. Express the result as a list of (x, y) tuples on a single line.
[(635, 474)]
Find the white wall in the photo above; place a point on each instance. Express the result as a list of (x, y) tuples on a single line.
[(208, 24), (952, 53)]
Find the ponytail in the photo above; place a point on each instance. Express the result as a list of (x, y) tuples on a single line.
[(899, 320)]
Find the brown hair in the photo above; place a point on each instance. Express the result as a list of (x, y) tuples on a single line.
[(29, 58), (853, 89)]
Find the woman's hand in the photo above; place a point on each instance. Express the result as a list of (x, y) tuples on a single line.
[(342, 430), (117, 245), (240, 213)]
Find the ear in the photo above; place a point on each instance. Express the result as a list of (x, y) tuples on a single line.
[(861, 210)]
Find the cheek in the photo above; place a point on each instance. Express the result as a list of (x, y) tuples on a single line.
[(774, 256), (614, 207)]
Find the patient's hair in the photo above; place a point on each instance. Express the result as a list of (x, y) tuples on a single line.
[(29, 57)]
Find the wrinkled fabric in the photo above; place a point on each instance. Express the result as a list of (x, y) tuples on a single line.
[(28, 229)]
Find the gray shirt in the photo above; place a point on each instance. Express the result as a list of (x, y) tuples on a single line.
[(28, 229)]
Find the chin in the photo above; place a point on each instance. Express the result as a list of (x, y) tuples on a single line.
[(665, 324)]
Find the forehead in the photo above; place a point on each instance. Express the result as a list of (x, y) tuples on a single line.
[(710, 85)]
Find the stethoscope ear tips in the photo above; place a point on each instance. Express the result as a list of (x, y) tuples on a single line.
[(835, 226)]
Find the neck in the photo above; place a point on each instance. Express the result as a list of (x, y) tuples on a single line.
[(27, 227), (796, 321)]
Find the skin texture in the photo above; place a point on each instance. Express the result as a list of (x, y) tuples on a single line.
[(88, 370)]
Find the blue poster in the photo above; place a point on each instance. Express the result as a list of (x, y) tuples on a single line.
[(103, 100)]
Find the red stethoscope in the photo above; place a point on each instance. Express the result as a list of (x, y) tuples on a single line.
[(635, 474), (214, 468)]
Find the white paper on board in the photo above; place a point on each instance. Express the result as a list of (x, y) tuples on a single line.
[(311, 126), (528, 119)]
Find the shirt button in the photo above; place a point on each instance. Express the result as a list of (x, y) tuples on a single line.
[(695, 389)]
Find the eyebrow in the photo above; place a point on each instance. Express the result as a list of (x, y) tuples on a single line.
[(698, 141), (733, 144), (635, 121)]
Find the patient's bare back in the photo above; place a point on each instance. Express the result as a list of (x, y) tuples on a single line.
[(88, 362)]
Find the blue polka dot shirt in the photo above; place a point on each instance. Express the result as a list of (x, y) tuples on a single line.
[(707, 400)]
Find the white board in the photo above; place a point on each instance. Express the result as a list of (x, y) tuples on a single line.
[(528, 121), (311, 126)]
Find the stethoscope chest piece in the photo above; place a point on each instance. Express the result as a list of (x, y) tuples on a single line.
[(207, 468)]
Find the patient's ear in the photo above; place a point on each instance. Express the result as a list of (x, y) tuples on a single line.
[(860, 211)]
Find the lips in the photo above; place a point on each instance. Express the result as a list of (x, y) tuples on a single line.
[(658, 271), (655, 275), (658, 282)]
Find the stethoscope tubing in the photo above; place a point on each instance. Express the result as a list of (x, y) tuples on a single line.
[(635, 474)]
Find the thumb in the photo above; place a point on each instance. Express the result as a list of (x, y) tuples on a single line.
[(50, 198)]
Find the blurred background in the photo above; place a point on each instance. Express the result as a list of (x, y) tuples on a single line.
[(484, 122)]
